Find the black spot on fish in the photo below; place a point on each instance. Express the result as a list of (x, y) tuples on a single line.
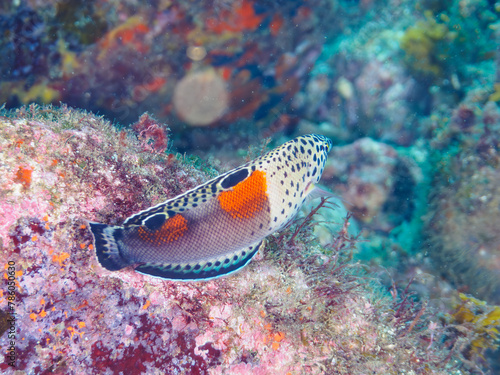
[(314, 171), (283, 211), (302, 151), (187, 268), (315, 157), (214, 188), (303, 141), (261, 225), (197, 267), (289, 204), (171, 213), (226, 261), (217, 264), (234, 178), (235, 257), (293, 168), (177, 268)]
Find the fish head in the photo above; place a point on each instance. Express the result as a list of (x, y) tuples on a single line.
[(320, 146)]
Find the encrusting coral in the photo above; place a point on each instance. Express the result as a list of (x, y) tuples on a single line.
[(299, 307)]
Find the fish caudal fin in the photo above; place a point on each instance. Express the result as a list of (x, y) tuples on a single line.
[(107, 246), (205, 270)]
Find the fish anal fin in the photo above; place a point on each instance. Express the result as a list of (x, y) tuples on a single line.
[(210, 269)]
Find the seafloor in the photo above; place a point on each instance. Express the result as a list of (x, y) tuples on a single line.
[(110, 107)]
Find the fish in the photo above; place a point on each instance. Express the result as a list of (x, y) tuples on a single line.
[(216, 228)]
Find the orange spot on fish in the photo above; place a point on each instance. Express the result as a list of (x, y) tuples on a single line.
[(246, 198), (171, 230)]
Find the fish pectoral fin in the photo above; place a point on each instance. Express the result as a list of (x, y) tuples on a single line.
[(314, 191), (202, 270)]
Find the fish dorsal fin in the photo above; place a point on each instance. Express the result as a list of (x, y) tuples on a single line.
[(205, 270), (191, 198)]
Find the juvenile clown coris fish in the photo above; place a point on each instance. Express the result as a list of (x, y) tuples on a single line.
[(216, 228)]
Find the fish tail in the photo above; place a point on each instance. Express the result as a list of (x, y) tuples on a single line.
[(108, 246)]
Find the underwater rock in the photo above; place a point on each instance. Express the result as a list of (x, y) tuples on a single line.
[(463, 221), (298, 308), (376, 183)]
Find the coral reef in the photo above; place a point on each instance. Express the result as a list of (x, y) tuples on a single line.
[(462, 224), (376, 183), (299, 307)]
